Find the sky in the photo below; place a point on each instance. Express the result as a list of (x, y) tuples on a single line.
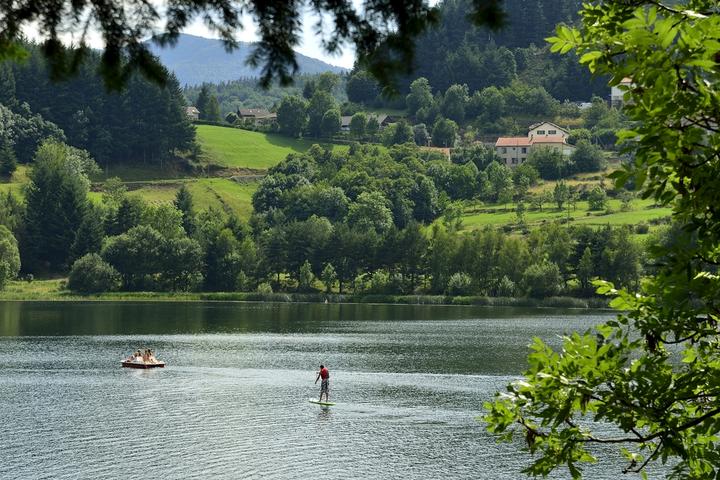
[(310, 42)]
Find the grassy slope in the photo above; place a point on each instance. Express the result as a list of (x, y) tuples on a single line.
[(16, 183), (245, 149), (641, 211), (235, 148), (225, 147), (220, 193)]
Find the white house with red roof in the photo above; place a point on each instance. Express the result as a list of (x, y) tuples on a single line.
[(515, 150)]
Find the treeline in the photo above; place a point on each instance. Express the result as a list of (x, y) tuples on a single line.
[(304, 236), (506, 110), (143, 122), (245, 93), (456, 52)]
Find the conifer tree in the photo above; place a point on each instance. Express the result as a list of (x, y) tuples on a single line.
[(203, 101), (90, 235), (184, 203), (56, 205), (8, 163)]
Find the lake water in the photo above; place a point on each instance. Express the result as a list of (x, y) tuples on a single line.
[(409, 382)]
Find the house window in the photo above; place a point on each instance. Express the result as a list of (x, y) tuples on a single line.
[(541, 132), (503, 150), (552, 132), (522, 160), (514, 161), (524, 149)]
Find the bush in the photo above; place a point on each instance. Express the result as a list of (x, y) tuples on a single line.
[(506, 287), (91, 274), (587, 157), (264, 289), (379, 283), (597, 198), (459, 284), (542, 279), (642, 228)]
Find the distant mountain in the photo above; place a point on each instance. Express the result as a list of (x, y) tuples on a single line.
[(196, 60)]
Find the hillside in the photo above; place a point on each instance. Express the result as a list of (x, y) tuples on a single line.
[(242, 149), (237, 158), (196, 60)]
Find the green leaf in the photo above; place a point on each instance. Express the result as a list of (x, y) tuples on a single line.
[(689, 356), (590, 56)]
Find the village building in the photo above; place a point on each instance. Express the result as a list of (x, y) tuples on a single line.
[(192, 113), (616, 93), (515, 150), (382, 119)]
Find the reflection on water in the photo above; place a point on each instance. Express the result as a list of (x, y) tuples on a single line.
[(409, 382)]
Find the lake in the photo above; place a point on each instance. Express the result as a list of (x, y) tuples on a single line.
[(409, 382)]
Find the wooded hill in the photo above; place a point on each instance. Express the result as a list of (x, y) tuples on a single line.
[(456, 52), (195, 60), (143, 122)]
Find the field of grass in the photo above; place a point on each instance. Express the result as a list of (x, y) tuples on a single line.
[(236, 148), (221, 193), (15, 183), (497, 215), (141, 172)]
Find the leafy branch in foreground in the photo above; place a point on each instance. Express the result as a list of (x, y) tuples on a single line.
[(654, 372), (382, 32)]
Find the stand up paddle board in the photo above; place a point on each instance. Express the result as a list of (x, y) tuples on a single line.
[(324, 404)]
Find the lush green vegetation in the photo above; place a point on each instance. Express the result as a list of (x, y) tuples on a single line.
[(222, 194), (322, 220), (638, 212), (142, 123), (244, 93), (654, 372), (236, 148)]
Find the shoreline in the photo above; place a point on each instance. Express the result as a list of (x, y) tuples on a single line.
[(50, 291)]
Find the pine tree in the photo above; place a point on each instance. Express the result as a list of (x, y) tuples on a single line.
[(8, 163), (585, 268), (203, 102), (90, 235), (184, 203), (213, 109), (128, 215), (328, 277), (56, 205), (7, 85)]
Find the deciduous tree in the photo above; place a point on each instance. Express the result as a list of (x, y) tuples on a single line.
[(292, 115), (654, 371)]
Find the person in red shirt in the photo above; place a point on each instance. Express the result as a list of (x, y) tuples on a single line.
[(324, 375)]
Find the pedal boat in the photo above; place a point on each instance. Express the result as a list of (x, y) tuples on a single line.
[(127, 364)]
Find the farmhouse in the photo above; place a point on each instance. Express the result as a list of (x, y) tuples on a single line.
[(192, 113), (616, 93), (382, 119), (515, 150)]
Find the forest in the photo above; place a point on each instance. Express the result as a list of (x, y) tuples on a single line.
[(143, 122), (366, 222), (371, 220)]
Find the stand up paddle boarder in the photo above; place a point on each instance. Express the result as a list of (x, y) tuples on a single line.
[(324, 374)]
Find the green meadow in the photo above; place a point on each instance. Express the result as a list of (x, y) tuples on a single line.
[(235, 148), (224, 194), (639, 211)]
